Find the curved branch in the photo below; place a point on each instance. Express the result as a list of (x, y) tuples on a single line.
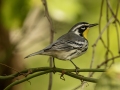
[(51, 40), (34, 70), (25, 79), (58, 70)]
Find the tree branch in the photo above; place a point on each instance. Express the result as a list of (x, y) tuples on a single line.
[(48, 70), (25, 79), (34, 70), (51, 40)]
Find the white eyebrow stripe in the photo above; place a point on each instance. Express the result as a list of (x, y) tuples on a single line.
[(79, 26)]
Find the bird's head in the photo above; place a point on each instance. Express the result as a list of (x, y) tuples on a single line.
[(82, 28)]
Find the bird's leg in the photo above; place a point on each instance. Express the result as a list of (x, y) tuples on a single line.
[(54, 65), (76, 67)]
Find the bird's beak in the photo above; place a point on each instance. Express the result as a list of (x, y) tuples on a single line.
[(92, 25)]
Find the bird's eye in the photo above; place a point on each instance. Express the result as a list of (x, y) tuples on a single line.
[(83, 27)]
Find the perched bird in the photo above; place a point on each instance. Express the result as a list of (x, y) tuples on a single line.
[(70, 45)]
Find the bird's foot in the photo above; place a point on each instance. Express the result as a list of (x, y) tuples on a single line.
[(77, 73), (62, 75), (54, 69), (76, 70)]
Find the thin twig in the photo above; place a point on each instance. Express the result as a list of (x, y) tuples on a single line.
[(109, 22), (118, 37), (117, 32), (51, 40), (110, 8), (10, 67), (92, 60), (100, 38), (107, 19), (105, 61), (93, 52), (81, 85), (47, 15)]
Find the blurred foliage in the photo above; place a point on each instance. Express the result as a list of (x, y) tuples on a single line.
[(13, 12), (72, 11), (110, 80), (65, 9)]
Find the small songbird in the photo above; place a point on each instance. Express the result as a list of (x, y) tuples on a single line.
[(70, 45)]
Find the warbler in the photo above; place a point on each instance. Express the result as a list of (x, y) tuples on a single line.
[(70, 45)]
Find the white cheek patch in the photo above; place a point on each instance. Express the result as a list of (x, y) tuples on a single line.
[(76, 32)]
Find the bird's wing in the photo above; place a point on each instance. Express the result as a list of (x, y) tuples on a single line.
[(64, 45), (67, 42)]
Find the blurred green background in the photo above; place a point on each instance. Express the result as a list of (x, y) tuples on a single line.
[(24, 29)]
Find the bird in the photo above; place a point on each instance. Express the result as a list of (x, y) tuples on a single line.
[(70, 45)]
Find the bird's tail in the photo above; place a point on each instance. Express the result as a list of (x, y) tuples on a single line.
[(35, 53)]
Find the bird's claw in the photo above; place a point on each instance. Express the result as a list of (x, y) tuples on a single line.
[(76, 70), (54, 69), (62, 75)]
